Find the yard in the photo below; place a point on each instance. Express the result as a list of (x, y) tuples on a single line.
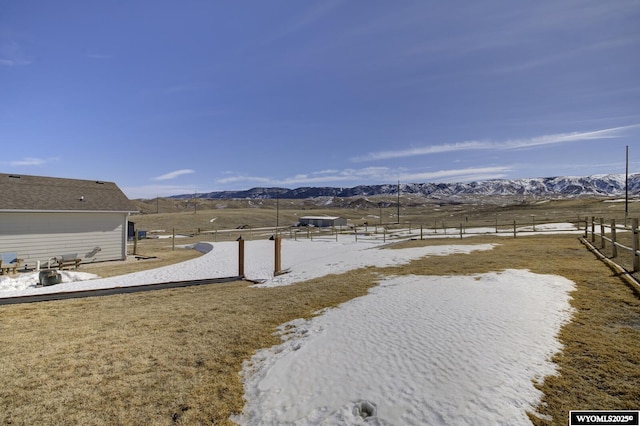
[(174, 356)]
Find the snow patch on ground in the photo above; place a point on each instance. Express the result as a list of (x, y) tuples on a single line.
[(304, 259), (22, 283), (416, 350)]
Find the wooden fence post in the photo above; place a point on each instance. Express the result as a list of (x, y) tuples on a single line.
[(241, 257), (277, 270), (593, 229), (420, 232), (136, 235), (460, 230), (614, 248), (602, 233), (586, 227), (634, 245), (173, 239)]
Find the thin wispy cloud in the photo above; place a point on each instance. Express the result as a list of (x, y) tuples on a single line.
[(346, 176), (28, 161), (564, 55), (175, 174), (371, 175), (316, 13), (244, 179), (6, 62), (152, 191), (458, 175), (510, 144), (11, 55), (323, 176)]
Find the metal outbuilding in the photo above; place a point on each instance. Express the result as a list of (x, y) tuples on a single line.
[(46, 217), (323, 221)]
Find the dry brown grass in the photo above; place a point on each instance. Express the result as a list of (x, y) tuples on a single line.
[(173, 356)]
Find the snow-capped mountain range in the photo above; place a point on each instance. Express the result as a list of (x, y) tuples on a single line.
[(562, 186)]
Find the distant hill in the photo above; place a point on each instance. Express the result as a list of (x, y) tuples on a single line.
[(562, 186)]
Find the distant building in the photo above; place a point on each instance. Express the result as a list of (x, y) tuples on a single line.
[(45, 217), (323, 221)]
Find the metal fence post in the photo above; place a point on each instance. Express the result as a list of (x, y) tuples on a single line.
[(634, 245), (614, 248)]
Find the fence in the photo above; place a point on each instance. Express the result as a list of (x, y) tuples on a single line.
[(613, 234), (406, 231), (385, 232)]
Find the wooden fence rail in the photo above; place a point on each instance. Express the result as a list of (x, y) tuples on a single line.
[(613, 237)]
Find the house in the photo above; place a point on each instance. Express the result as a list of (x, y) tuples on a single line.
[(323, 221), (44, 217)]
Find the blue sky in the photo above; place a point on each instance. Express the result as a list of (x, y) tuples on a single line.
[(167, 97)]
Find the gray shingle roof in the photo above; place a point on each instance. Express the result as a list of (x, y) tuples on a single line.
[(22, 192)]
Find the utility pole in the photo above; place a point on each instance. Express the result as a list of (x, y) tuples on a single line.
[(398, 201), (626, 189)]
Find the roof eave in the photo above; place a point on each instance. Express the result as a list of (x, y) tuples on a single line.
[(66, 211)]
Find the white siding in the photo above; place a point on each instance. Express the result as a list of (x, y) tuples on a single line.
[(39, 236)]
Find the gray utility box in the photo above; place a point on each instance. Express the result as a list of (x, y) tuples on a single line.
[(50, 277)]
